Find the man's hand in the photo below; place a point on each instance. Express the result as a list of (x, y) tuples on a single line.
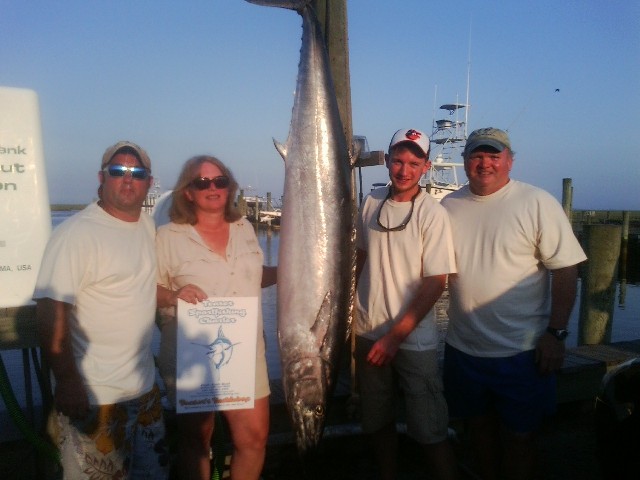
[(71, 397), (384, 350), (549, 354)]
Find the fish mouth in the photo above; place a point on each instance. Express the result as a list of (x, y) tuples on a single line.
[(308, 413), (306, 392)]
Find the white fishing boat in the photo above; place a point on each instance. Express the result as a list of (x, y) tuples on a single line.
[(270, 217), (153, 195), (448, 138)]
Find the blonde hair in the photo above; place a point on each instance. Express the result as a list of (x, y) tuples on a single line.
[(182, 209)]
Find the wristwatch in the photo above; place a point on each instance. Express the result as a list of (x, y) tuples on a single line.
[(559, 333)]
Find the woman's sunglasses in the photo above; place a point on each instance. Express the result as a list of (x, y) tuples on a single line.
[(203, 183), (139, 173)]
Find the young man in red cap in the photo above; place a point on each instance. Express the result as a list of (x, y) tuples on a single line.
[(405, 253)]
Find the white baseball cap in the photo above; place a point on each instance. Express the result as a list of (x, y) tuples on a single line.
[(114, 149), (413, 136)]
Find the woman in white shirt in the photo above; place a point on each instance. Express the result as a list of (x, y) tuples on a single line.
[(210, 250)]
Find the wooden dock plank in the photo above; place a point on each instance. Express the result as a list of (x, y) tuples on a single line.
[(585, 366), (579, 379), (629, 346), (611, 354)]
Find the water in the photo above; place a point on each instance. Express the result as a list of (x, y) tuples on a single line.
[(626, 325)]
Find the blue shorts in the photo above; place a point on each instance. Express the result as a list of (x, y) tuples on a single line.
[(508, 386)]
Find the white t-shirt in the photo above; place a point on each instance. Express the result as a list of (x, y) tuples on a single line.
[(396, 263), (505, 245), (106, 269)]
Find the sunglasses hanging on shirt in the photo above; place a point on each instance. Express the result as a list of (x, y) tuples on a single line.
[(406, 220)]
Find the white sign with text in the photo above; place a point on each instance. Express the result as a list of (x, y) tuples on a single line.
[(216, 354)]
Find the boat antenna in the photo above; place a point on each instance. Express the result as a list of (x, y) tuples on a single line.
[(466, 113), (433, 118), (534, 95)]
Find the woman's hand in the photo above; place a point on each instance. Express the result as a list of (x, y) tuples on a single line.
[(190, 294)]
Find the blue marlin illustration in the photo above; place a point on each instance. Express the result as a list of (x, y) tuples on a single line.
[(220, 350)]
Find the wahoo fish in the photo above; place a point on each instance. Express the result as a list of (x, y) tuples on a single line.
[(317, 249)]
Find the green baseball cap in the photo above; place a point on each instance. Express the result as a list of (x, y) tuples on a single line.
[(492, 137)]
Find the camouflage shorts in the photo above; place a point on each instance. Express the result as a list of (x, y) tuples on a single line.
[(118, 441)]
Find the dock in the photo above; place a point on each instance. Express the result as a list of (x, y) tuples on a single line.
[(579, 378), (579, 382), (585, 366)]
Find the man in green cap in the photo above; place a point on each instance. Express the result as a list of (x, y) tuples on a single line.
[(510, 303)]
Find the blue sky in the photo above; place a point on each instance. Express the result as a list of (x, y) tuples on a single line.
[(217, 77)]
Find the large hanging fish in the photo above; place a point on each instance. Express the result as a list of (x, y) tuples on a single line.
[(317, 253)]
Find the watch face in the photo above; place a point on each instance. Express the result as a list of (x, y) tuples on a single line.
[(560, 334)]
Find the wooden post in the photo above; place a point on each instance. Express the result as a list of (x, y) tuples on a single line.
[(567, 197), (332, 15), (624, 245), (242, 203), (625, 227), (269, 207), (602, 246), (256, 211)]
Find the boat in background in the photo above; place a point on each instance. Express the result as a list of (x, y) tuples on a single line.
[(153, 195), (448, 138), (259, 209)]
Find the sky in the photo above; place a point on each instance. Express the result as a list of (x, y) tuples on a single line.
[(218, 76)]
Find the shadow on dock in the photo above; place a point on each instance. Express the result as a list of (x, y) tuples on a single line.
[(567, 441)]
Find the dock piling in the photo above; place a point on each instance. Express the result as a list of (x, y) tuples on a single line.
[(597, 300), (567, 197)]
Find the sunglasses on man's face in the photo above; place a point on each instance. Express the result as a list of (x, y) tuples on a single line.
[(139, 173), (203, 183)]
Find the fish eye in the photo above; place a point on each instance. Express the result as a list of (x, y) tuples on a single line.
[(319, 410)]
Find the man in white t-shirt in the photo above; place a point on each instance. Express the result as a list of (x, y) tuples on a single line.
[(510, 303), (96, 302), (404, 254)]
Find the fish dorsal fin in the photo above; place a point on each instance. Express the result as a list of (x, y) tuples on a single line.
[(221, 333), (281, 148)]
